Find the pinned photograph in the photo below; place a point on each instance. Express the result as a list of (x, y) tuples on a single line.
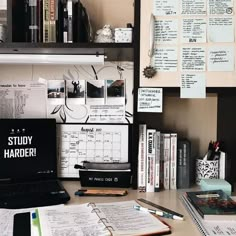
[(95, 92), (115, 91), (76, 91), (56, 91)]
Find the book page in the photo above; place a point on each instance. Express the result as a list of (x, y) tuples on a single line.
[(122, 218), (71, 220)]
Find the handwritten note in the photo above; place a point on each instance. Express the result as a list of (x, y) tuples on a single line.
[(221, 58), (150, 100), (193, 85)]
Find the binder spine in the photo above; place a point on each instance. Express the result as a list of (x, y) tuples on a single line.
[(102, 220)]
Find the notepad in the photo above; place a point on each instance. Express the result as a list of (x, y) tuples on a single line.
[(115, 218)]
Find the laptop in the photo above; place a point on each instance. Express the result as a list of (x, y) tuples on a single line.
[(28, 164)]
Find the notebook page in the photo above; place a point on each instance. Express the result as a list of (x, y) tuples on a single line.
[(123, 219), (71, 220)]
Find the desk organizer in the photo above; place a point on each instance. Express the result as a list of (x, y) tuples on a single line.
[(206, 170)]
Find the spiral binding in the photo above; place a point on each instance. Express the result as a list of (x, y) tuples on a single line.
[(200, 227), (101, 220)]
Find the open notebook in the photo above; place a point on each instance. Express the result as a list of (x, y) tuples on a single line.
[(100, 219), (28, 164)]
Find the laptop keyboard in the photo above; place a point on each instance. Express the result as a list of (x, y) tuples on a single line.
[(50, 186), (33, 194)]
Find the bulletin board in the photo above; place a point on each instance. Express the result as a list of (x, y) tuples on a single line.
[(192, 39)]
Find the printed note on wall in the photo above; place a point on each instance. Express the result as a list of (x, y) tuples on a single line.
[(193, 59), (165, 59), (150, 100), (193, 85), (193, 7), (193, 30), (221, 58), (222, 7), (167, 7), (221, 29), (166, 31)]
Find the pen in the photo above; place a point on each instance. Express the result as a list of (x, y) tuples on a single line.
[(159, 213)]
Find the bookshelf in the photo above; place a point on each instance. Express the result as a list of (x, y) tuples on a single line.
[(101, 12)]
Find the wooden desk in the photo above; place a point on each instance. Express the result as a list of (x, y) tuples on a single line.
[(168, 198)]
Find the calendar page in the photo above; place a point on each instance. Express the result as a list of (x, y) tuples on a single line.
[(93, 143)]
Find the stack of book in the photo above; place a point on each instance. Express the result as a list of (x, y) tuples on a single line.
[(163, 160), (48, 21), (214, 212)]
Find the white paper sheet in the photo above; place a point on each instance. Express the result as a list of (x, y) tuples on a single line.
[(193, 7), (221, 58), (167, 7), (193, 30), (20, 99), (150, 99), (193, 59), (217, 25), (222, 7), (166, 31), (165, 59), (193, 85)]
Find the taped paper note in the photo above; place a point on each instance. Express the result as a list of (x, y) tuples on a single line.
[(150, 100), (193, 86)]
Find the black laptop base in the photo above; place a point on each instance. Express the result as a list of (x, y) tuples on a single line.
[(33, 198)]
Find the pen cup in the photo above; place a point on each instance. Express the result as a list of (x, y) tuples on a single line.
[(206, 170)]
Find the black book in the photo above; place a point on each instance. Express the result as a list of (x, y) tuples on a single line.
[(60, 21), (81, 24), (184, 163), (33, 12), (18, 14)]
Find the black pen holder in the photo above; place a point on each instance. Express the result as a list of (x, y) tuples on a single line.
[(206, 170)]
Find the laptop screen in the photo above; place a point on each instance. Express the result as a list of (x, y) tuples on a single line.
[(27, 149)]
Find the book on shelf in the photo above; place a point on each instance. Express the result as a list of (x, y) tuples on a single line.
[(161, 161), (151, 159), (166, 153), (173, 160), (184, 166), (209, 227), (157, 177), (142, 157), (213, 204), (46, 20), (114, 218), (70, 21), (33, 13), (53, 15)]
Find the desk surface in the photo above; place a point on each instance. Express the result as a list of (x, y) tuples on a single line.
[(168, 198)]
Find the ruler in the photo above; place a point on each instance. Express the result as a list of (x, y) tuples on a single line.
[(160, 207)]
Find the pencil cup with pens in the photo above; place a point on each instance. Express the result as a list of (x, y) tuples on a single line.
[(206, 170), (208, 166)]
